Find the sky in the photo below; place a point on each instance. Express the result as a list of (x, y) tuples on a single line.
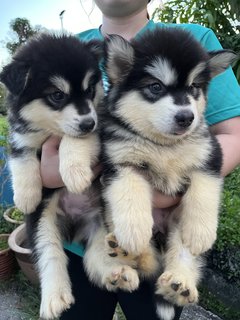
[(79, 15)]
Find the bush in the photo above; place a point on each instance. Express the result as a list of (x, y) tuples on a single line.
[(221, 16), (3, 131)]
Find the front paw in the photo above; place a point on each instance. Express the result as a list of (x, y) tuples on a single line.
[(198, 239), (55, 301), (27, 200), (77, 178)]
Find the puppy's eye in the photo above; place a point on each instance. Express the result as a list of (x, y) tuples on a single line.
[(156, 88), (57, 96), (90, 91), (194, 85)]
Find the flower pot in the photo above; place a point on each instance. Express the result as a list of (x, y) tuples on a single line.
[(7, 261), (18, 243), (7, 216)]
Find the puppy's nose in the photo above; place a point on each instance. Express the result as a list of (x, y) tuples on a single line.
[(184, 118), (87, 125)]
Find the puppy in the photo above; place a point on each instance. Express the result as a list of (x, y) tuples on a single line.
[(155, 137), (54, 85)]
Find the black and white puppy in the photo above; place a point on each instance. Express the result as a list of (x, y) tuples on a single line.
[(155, 137), (54, 85)]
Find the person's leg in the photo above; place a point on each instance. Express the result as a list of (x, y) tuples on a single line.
[(141, 304), (91, 303)]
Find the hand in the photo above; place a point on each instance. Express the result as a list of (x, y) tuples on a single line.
[(49, 166), (162, 208)]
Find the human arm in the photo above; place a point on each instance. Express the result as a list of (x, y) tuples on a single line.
[(228, 134)]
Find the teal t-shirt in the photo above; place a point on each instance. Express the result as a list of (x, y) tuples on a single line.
[(223, 93)]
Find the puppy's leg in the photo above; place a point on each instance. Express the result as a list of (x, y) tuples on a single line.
[(26, 180), (76, 156), (52, 264), (128, 196), (178, 282), (105, 271), (199, 212), (146, 263)]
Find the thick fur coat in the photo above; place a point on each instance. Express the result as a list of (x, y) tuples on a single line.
[(155, 137), (54, 85)]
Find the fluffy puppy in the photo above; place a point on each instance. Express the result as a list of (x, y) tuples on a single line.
[(54, 85), (155, 137)]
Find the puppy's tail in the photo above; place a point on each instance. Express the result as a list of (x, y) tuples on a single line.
[(166, 310)]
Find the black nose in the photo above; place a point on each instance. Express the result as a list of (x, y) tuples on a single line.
[(87, 125), (184, 118)]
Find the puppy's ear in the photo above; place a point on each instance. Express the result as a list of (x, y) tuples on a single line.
[(96, 47), (220, 60), (14, 76), (119, 55)]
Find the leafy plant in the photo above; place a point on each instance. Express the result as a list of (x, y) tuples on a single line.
[(221, 16), (5, 227), (17, 215), (3, 244)]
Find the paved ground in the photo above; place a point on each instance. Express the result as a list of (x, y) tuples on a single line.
[(198, 313)]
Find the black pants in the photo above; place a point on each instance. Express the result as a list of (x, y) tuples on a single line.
[(92, 303)]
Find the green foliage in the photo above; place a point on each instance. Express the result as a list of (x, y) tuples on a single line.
[(3, 109), (5, 227), (220, 16), (3, 132), (22, 31), (3, 244), (16, 215), (229, 224)]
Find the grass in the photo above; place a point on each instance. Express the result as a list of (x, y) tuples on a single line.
[(229, 222), (28, 307)]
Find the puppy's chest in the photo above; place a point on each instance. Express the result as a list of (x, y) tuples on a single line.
[(168, 169)]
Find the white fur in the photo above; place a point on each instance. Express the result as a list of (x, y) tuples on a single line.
[(26, 182), (161, 69), (165, 312), (76, 157), (52, 265), (61, 83), (129, 197)]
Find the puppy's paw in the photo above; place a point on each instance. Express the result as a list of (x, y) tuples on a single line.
[(55, 302), (77, 178), (27, 199), (121, 277), (177, 288), (198, 240)]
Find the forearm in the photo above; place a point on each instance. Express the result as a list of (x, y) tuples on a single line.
[(228, 134), (231, 152)]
